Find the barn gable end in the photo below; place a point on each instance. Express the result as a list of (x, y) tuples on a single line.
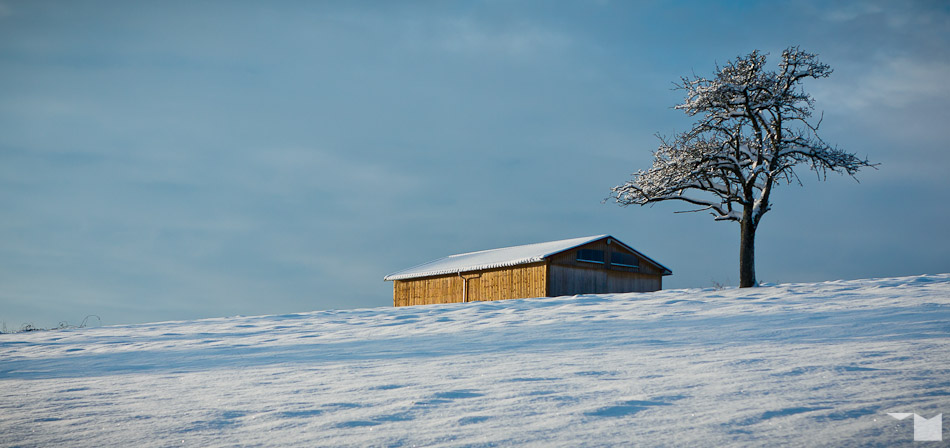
[(603, 266)]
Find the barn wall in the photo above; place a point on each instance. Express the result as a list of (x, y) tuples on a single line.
[(568, 276), (427, 291), (569, 280), (496, 284), (516, 282)]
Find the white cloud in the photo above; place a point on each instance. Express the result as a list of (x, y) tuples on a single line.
[(875, 109), (298, 170), (895, 84), (850, 12), (468, 36)]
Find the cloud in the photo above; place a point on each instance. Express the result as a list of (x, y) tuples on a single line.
[(896, 84), (849, 12), (874, 108), (468, 36), (294, 170), (895, 16)]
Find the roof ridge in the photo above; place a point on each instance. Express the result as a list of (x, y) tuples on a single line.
[(592, 237)]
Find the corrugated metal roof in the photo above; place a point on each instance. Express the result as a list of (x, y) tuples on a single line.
[(496, 258)]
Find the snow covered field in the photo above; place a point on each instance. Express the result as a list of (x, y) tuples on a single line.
[(798, 364)]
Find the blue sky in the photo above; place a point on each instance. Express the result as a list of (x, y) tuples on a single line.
[(179, 160)]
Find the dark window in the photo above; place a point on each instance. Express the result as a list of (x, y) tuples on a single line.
[(590, 255), (624, 259)]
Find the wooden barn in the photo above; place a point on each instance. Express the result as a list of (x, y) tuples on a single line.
[(589, 265)]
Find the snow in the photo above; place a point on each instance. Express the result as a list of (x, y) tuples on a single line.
[(490, 259), (796, 364), (497, 258)]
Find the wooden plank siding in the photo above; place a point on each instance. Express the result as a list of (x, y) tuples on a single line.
[(570, 276), (516, 282), (569, 280), (559, 274)]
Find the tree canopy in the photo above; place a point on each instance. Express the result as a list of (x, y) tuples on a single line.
[(755, 127)]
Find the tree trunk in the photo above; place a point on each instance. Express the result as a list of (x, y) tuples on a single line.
[(747, 253)]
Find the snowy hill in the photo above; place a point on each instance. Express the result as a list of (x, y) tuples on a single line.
[(798, 364)]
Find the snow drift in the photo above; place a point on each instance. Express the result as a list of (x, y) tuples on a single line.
[(796, 364)]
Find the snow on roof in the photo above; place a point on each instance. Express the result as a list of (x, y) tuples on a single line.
[(497, 258), (492, 258)]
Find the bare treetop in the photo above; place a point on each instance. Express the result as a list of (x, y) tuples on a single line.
[(753, 131)]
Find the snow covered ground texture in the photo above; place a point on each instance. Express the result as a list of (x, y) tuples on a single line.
[(799, 364)]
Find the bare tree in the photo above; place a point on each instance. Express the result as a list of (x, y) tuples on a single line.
[(753, 131)]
